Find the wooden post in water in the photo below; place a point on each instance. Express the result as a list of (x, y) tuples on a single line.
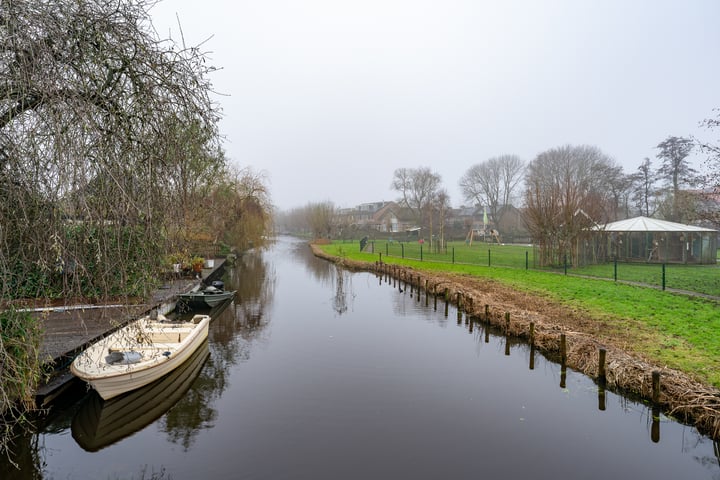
[(507, 323), (446, 302), (655, 427), (656, 387), (435, 298), (563, 360), (487, 313), (601, 378), (532, 333), (459, 301)]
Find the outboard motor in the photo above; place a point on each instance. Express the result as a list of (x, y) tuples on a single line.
[(219, 284)]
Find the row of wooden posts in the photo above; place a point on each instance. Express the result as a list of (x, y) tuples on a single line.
[(400, 275)]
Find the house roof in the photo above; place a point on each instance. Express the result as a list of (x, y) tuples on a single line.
[(646, 224)]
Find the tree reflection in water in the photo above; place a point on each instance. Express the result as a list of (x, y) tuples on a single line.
[(340, 299)]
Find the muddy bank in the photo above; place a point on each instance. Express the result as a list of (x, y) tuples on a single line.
[(680, 396)]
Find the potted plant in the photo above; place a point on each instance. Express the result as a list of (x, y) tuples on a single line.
[(197, 263)]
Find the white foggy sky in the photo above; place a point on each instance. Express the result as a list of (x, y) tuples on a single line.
[(329, 97)]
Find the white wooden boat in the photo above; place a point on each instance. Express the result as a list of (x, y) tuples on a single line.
[(139, 353)]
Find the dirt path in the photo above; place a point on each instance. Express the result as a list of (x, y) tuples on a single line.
[(680, 396)]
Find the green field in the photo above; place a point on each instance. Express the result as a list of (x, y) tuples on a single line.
[(704, 279), (676, 330)]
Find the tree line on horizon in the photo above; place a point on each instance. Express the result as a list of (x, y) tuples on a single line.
[(560, 192)]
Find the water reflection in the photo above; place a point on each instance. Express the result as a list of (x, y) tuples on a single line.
[(369, 396), (343, 290)]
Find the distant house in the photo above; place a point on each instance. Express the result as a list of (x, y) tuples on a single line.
[(378, 216)]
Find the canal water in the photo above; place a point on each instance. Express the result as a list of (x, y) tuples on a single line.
[(318, 373)]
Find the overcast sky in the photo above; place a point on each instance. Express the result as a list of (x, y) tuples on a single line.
[(329, 97)]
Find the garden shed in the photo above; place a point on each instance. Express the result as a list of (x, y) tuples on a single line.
[(644, 239)]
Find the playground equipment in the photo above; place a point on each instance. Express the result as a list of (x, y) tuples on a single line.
[(491, 232)]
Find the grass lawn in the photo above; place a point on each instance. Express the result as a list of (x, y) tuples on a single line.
[(674, 330), (695, 278)]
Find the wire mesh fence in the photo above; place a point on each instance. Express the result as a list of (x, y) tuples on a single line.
[(699, 279)]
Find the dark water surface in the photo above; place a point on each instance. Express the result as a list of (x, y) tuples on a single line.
[(316, 373)]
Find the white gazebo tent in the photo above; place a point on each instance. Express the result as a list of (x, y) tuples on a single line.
[(657, 241)]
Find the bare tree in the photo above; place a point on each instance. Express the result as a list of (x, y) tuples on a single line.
[(441, 206), (320, 217), (710, 195), (493, 183), (418, 188), (238, 210), (564, 197), (644, 190), (676, 170)]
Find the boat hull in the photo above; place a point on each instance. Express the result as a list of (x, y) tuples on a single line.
[(162, 347)]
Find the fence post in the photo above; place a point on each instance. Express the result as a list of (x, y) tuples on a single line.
[(663, 276), (488, 257), (526, 260), (453, 252), (402, 250), (615, 269), (421, 252)]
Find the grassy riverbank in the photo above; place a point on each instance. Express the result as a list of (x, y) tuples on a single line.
[(668, 329)]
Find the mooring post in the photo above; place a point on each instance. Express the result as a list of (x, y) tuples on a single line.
[(563, 360), (458, 297), (656, 387), (601, 365), (435, 297), (655, 428), (532, 333), (507, 323), (487, 313)]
